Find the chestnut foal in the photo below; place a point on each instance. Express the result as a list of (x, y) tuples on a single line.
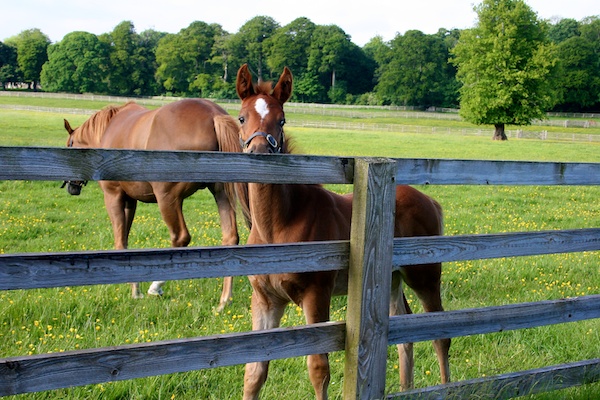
[(282, 213)]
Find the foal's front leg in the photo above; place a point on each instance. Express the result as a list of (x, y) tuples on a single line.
[(266, 314), (121, 211), (316, 301)]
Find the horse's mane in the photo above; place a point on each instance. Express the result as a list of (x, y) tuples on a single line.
[(94, 127)]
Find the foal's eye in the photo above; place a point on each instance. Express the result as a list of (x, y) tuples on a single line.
[(242, 120), (282, 122)]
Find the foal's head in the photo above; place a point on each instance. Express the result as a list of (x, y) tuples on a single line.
[(261, 116)]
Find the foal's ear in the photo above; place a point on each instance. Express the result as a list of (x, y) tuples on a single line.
[(244, 86), (283, 89), (68, 127)]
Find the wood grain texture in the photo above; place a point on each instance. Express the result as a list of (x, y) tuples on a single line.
[(511, 385), (84, 367), (370, 254), (43, 270), (369, 279), (45, 163), (422, 250), (449, 324), (484, 172)]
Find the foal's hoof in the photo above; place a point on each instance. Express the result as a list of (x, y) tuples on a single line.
[(155, 291)]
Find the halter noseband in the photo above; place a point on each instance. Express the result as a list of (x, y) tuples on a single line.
[(275, 147), (73, 184)]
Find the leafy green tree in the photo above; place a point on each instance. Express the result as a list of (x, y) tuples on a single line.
[(32, 53), (378, 50), (506, 65), (9, 68), (579, 77), (77, 64), (182, 57), (450, 86), (564, 29), (290, 45), (329, 46), (146, 67), (308, 89), (124, 77), (358, 72), (250, 45), (221, 55), (416, 71)]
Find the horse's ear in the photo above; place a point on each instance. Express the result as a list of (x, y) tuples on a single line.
[(68, 127), (244, 86), (283, 89)]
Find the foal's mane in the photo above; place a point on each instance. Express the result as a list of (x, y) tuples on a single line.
[(263, 87), (95, 126)]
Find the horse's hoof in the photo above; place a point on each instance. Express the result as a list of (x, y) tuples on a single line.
[(222, 305), (155, 291)]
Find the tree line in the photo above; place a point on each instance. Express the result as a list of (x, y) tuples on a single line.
[(414, 68)]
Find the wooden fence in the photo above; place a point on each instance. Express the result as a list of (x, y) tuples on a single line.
[(368, 261)]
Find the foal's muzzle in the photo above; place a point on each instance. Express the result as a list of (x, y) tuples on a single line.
[(274, 147), (74, 187)]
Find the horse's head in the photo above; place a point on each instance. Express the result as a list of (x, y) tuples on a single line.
[(73, 187), (262, 117)]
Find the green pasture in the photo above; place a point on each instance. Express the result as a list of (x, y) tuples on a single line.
[(40, 217)]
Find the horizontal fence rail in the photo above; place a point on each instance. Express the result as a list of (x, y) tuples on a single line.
[(83, 367), (49, 163), (73, 368), (508, 386), (44, 270)]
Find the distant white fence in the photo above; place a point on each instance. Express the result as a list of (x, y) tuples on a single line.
[(355, 126)]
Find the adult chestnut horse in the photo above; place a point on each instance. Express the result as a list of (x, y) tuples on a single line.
[(191, 124), (282, 213)]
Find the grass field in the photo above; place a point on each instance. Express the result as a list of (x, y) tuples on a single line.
[(39, 217)]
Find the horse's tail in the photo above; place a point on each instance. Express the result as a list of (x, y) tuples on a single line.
[(227, 131)]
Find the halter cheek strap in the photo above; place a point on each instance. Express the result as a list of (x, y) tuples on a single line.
[(270, 139)]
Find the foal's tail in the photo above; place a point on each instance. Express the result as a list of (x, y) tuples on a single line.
[(227, 131)]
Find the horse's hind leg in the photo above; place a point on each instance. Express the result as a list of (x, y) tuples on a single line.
[(229, 233), (425, 281), (399, 306)]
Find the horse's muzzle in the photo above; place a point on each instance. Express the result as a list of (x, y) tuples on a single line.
[(272, 145), (74, 187)]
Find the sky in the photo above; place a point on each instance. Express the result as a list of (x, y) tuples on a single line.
[(363, 21)]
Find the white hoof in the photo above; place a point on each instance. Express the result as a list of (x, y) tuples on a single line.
[(155, 289)]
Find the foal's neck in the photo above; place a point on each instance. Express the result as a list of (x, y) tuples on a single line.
[(270, 206)]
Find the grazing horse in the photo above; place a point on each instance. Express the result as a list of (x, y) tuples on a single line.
[(282, 213), (191, 124)]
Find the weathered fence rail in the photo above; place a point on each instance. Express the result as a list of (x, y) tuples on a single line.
[(50, 371)]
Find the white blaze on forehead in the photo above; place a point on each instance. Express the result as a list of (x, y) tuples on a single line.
[(261, 107)]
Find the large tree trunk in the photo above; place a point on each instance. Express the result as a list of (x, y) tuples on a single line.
[(499, 132)]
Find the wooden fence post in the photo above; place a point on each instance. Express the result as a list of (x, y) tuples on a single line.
[(369, 277)]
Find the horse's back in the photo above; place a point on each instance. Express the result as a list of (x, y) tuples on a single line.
[(182, 125), (185, 125)]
